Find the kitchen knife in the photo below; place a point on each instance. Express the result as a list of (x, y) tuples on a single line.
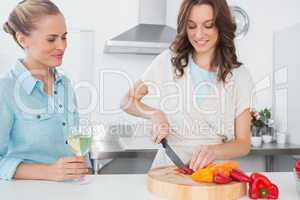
[(171, 154)]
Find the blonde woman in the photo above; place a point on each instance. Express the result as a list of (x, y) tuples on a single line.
[(200, 92), (37, 104)]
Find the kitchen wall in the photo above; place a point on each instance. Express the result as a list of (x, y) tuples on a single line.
[(109, 18), (9, 50)]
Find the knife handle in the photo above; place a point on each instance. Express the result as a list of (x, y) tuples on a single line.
[(164, 142)]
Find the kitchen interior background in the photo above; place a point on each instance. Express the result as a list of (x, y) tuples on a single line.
[(91, 23)]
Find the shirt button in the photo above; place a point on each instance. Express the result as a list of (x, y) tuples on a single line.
[(60, 106), (64, 123), (38, 116), (55, 92)]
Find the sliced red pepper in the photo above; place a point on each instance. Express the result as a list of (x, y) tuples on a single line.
[(221, 179), (262, 187), (184, 170), (180, 170), (189, 171), (240, 176)]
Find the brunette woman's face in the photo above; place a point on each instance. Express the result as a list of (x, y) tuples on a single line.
[(201, 30)]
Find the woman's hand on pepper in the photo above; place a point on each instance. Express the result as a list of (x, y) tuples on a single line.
[(202, 156), (160, 126)]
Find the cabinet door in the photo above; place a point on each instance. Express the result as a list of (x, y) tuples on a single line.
[(286, 89)]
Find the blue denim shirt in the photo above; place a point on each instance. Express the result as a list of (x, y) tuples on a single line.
[(33, 125)]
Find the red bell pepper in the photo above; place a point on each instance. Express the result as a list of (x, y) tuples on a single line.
[(219, 178), (238, 175), (184, 170), (297, 165), (297, 168), (262, 188)]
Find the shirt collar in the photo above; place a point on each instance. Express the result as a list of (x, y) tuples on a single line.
[(24, 76), (59, 77), (29, 82)]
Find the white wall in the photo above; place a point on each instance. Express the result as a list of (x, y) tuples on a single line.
[(109, 18), (8, 49), (256, 50)]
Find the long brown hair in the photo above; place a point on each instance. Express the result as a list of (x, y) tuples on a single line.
[(225, 53)]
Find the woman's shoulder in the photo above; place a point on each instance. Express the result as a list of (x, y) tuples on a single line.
[(167, 53), (7, 85), (242, 79), (160, 68), (7, 81), (161, 61), (241, 73), (164, 57)]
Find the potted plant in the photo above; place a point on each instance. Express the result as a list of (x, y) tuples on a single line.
[(256, 129), (265, 116), (260, 127)]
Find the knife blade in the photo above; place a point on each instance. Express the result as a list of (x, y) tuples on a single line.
[(171, 154)]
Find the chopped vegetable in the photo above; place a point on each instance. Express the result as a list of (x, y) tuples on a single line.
[(240, 176), (221, 179)]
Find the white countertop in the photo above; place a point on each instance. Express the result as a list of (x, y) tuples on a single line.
[(112, 187)]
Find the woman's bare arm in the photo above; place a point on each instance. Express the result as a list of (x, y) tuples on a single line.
[(133, 105)]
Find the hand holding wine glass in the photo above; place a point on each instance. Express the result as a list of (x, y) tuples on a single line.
[(79, 142), (68, 168)]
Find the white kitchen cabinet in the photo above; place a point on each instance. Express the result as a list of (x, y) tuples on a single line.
[(286, 87)]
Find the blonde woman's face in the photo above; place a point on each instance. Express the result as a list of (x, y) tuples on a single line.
[(201, 30), (47, 43)]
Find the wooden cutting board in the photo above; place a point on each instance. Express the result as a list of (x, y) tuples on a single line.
[(166, 183)]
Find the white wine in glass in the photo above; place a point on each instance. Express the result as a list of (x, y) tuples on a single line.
[(80, 144)]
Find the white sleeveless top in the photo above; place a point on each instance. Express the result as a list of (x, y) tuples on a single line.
[(211, 122)]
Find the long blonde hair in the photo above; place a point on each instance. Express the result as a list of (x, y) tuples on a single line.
[(24, 16)]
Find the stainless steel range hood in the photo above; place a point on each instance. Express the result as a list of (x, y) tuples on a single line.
[(150, 36)]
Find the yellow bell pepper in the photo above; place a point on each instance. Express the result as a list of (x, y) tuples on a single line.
[(204, 175), (207, 174)]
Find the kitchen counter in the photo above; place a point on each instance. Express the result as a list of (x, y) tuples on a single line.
[(145, 143), (273, 149), (143, 146), (276, 149), (112, 187)]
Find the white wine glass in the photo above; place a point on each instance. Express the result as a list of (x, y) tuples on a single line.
[(79, 142)]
